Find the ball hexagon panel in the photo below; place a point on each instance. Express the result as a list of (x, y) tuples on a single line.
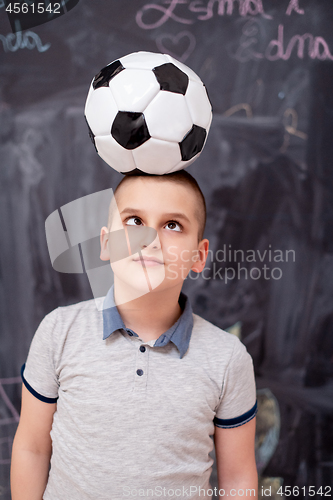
[(168, 117), (115, 155), (143, 60), (193, 143), (171, 78), (103, 78), (134, 89), (100, 120), (198, 104), (191, 74), (130, 129), (157, 156)]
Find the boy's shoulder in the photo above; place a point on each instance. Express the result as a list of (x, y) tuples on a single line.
[(204, 327), (219, 351), (84, 305), (214, 338), (88, 308), (84, 316)]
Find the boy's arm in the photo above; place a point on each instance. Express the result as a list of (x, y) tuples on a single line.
[(32, 448), (236, 466)]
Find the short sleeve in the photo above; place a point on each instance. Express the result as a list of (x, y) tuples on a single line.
[(38, 373), (238, 403)]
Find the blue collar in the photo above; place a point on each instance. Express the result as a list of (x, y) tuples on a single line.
[(179, 334)]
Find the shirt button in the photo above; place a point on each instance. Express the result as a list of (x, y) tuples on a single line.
[(142, 348), (139, 372), (130, 333)]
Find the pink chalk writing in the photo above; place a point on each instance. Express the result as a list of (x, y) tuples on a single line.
[(246, 50), (179, 46), (167, 13), (202, 10), (293, 5), (317, 47), (226, 7), (309, 45)]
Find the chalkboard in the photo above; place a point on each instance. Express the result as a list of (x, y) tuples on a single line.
[(266, 172)]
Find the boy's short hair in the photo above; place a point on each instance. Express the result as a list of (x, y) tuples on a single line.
[(179, 177)]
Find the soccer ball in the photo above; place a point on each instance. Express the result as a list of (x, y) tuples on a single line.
[(148, 112)]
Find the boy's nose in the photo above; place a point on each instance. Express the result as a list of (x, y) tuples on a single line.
[(154, 244), (140, 237)]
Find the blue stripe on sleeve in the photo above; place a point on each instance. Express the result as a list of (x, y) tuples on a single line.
[(33, 392), (226, 423)]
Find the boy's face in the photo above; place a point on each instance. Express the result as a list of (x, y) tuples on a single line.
[(170, 209)]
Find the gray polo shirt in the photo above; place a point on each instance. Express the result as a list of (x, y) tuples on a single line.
[(134, 419)]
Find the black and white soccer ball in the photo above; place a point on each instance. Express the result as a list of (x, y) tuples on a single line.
[(148, 112)]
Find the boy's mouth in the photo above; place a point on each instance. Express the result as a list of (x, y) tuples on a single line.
[(148, 261)]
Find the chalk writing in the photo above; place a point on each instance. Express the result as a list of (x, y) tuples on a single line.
[(9, 417), (238, 107), (291, 128), (6, 444), (256, 93), (293, 5), (27, 153), (314, 47), (14, 414), (246, 50), (208, 70), (176, 42), (290, 122), (167, 13), (226, 7), (250, 44), (27, 40), (317, 47), (202, 9)]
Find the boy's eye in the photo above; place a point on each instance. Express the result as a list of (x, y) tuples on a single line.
[(174, 226), (133, 221)]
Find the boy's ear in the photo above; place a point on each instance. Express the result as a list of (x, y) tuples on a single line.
[(202, 254), (104, 239)]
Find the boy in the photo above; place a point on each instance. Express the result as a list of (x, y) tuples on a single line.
[(127, 399)]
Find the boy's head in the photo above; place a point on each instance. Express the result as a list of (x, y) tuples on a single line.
[(174, 206), (181, 178)]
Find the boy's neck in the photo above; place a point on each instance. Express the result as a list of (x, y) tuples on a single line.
[(152, 314)]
